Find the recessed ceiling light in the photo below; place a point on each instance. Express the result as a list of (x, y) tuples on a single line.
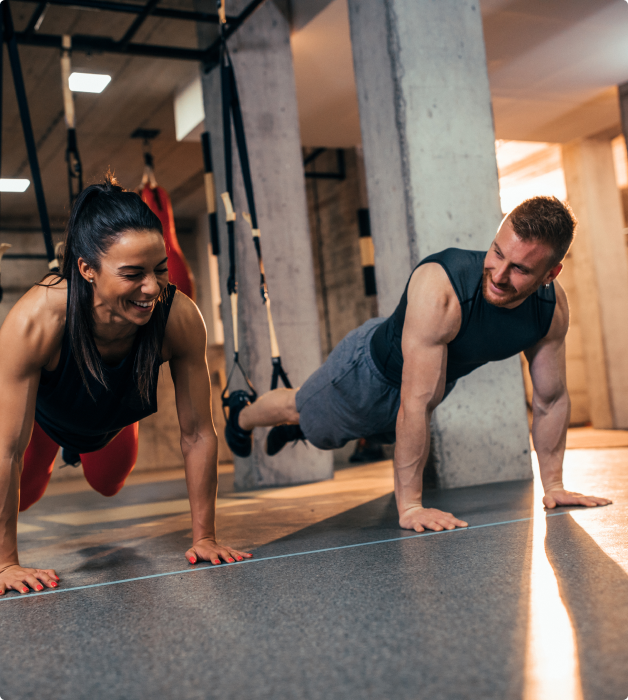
[(88, 82), (12, 185)]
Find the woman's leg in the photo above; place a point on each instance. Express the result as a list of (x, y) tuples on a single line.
[(39, 459), (107, 470)]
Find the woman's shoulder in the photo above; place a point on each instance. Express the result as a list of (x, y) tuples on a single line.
[(37, 320), (185, 329)]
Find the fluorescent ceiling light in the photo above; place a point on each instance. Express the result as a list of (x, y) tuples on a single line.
[(88, 82), (11, 185)]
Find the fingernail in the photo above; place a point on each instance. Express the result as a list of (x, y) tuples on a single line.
[(24, 590), (230, 560), (239, 558), (54, 584), (216, 561), (192, 560), (39, 588)]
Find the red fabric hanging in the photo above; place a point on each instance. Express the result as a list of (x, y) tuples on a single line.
[(179, 271)]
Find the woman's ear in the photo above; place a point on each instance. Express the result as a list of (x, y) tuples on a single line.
[(86, 270)]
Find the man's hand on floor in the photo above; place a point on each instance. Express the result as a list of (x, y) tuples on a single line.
[(419, 519), (560, 497)]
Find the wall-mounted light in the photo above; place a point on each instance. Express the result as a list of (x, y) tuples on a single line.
[(13, 185), (88, 82)]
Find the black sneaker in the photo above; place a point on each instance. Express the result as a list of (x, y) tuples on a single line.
[(239, 440), (280, 436)]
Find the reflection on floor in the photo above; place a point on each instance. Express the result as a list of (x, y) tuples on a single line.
[(338, 601)]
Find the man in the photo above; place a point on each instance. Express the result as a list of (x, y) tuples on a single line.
[(460, 310)]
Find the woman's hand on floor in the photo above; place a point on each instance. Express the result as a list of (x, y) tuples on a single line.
[(23, 579), (210, 550)]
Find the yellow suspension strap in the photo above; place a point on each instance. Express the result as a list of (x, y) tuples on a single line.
[(231, 109), (72, 157)]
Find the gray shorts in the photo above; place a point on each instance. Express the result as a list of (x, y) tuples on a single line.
[(348, 397)]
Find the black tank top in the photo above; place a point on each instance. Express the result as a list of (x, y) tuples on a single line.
[(487, 332), (80, 423)]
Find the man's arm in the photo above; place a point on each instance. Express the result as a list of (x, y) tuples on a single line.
[(433, 319), (551, 408), (186, 338)]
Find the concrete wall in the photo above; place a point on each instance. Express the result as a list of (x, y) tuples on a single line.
[(601, 267), (333, 214), (429, 149)]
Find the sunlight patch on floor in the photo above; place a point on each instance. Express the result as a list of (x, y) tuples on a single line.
[(552, 668)]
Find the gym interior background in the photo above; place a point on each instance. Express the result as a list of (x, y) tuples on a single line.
[(356, 113)]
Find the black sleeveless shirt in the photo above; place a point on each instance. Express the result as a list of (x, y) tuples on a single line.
[(78, 422), (487, 332)]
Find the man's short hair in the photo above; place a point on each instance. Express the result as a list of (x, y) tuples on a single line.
[(545, 219)]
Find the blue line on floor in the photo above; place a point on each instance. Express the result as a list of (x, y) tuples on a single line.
[(277, 556)]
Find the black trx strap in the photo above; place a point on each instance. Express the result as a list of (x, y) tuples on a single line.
[(227, 198), (18, 81), (231, 111), (210, 193), (72, 157)]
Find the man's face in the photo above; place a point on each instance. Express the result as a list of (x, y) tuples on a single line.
[(515, 269)]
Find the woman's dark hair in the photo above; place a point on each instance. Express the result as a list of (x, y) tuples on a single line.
[(100, 216)]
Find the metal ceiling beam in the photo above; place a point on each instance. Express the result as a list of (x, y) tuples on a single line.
[(36, 18), (135, 9), (105, 44), (88, 43), (149, 8)]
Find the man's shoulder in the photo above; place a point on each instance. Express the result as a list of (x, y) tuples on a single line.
[(463, 268), (560, 320), (432, 297)]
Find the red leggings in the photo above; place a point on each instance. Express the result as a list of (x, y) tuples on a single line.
[(105, 470)]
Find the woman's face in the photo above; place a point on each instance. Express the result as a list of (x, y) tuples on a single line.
[(132, 275)]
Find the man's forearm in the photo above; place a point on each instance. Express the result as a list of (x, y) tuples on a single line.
[(10, 470), (201, 473), (549, 433), (411, 452)]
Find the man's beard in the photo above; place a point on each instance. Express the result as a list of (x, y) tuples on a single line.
[(510, 298)]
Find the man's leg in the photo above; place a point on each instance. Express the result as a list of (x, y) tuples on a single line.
[(275, 407)]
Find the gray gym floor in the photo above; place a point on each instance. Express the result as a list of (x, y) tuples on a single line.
[(338, 602)]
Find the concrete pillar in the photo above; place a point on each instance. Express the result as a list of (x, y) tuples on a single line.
[(428, 139), (262, 58), (601, 270)]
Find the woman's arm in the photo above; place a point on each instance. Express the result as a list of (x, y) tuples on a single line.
[(186, 339), (26, 338)]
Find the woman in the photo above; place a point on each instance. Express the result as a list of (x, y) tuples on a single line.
[(79, 360)]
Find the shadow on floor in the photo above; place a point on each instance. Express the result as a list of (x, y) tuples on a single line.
[(594, 590)]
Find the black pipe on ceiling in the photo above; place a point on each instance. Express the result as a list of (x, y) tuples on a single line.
[(88, 43), (132, 8)]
